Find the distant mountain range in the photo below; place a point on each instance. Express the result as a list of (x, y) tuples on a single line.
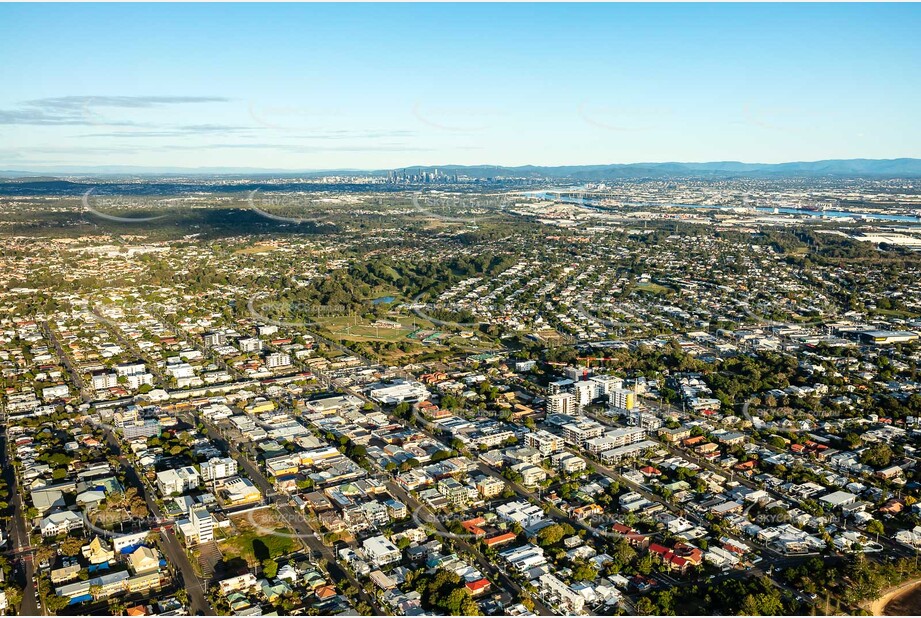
[(891, 168), (880, 168)]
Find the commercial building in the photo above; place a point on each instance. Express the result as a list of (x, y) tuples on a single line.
[(398, 392), (131, 425), (882, 337), (236, 491)]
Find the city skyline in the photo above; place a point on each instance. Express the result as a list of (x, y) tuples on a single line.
[(318, 87)]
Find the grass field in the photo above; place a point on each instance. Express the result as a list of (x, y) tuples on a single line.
[(257, 248), (352, 329), (252, 544), (653, 288)]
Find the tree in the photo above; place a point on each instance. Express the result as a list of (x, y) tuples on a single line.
[(550, 535), (875, 526), (45, 553), (645, 607), (878, 456), (139, 508), (182, 595), (778, 442), (13, 597), (584, 572), (71, 546), (55, 603), (269, 568), (853, 440), (456, 601), (761, 604), (624, 554), (645, 564), (117, 606)]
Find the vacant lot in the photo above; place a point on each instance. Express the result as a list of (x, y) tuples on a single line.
[(249, 538)]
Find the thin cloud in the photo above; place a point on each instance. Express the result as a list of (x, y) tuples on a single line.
[(81, 102), (290, 148), (299, 149), (43, 117), (81, 110), (181, 131), (211, 129)]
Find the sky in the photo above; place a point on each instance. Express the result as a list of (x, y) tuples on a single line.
[(362, 86)]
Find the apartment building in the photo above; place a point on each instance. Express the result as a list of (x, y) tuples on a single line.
[(585, 392), (615, 438), (201, 525), (582, 430), (214, 339), (622, 399), (545, 442), (606, 384), (277, 359), (521, 513), (381, 551), (560, 594), (490, 487), (561, 403), (250, 344), (177, 481), (105, 380), (218, 468), (454, 492), (531, 475), (130, 369)]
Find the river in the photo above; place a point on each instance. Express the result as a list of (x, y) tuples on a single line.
[(908, 604), (787, 210)]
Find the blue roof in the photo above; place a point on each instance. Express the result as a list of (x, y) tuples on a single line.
[(80, 599)]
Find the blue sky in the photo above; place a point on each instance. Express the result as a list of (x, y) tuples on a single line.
[(381, 86)]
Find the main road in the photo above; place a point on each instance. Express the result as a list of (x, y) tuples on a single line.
[(484, 565), (171, 544), (295, 519), (20, 545)]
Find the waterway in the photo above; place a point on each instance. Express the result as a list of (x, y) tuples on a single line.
[(907, 604), (786, 210)]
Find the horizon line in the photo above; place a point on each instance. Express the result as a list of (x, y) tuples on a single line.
[(148, 169)]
